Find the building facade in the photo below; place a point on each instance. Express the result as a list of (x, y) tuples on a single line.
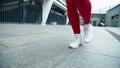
[(49, 12), (113, 16), (33, 11), (97, 18)]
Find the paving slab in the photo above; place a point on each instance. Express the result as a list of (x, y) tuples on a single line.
[(36, 46)]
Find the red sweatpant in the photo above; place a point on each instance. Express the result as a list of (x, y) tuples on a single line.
[(75, 8)]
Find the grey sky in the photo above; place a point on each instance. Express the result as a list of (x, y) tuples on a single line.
[(101, 6)]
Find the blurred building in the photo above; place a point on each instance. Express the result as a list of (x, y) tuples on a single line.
[(33, 11), (97, 18), (113, 16), (49, 12)]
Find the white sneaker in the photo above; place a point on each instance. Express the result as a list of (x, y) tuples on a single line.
[(88, 29), (77, 42)]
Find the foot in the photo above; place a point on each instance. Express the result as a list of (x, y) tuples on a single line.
[(77, 42), (88, 33)]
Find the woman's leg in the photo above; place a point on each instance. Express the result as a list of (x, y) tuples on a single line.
[(73, 16), (74, 21), (84, 7)]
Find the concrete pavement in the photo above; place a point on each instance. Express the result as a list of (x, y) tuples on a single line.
[(36, 46)]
